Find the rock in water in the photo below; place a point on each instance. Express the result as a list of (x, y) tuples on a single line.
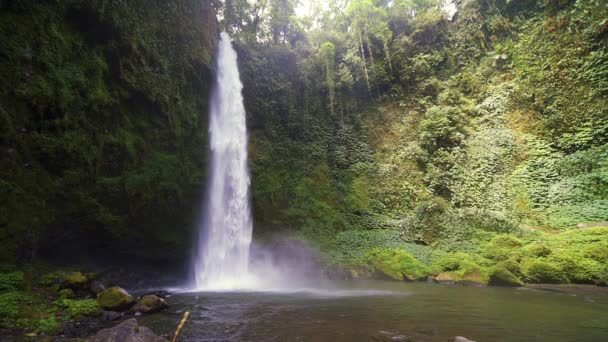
[(115, 299), (127, 331), (460, 339), (149, 304)]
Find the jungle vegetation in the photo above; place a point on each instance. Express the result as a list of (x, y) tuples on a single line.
[(397, 139)]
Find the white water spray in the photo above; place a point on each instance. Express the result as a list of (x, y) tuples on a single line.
[(225, 232)]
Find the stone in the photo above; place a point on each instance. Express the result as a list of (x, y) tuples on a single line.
[(110, 315), (460, 339), (115, 299), (127, 331), (431, 279), (150, 304), (96, 287)]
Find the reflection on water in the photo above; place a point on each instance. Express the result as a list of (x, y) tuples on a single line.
[(369, 311)]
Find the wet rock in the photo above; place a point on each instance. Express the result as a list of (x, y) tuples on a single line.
[(409, 278), (160, 294), (127, 331), (110, 315), (431, 279), (115, 299), (82, 328), (460, 339), (96, 287), (150, 304)]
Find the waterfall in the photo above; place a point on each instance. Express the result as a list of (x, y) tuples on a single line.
[(222, 256)]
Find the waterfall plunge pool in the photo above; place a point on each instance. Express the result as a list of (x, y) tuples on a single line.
[(387, 311)]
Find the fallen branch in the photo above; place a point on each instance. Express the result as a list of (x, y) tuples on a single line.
[(181, 325)]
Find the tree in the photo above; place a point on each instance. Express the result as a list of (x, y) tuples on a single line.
[(328, 54)]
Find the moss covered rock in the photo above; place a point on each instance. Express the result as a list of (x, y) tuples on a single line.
[(74, 280), (115, 298), (397, 264), (475, 277), (501, 276), (448, 278)]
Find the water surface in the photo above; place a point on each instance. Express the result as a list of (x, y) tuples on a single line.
[(385, 311)]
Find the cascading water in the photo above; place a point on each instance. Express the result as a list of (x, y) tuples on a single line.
[(225, 231)]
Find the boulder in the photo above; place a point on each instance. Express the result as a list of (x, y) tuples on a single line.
[(460, 339), (115, 299), (447, 278), (127, 331), (431, 280), (150, 304), (96, 287)]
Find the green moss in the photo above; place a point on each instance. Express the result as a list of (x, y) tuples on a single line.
[(543, 271), (397, 264), (501, 247), (536, 250)]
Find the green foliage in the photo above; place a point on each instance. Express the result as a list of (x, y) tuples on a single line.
[(96, 94), (78, 307), (12, 281), (10, 302)]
